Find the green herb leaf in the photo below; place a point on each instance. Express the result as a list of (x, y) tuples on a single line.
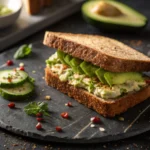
[(23, 51), (32, 80), (35, 107)]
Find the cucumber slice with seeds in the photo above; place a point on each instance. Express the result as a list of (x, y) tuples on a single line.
[(17, 93), (12, 78)]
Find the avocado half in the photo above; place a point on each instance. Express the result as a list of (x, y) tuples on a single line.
[(128, 20)]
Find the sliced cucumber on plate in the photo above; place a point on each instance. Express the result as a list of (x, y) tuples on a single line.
[(19, 92), (11, 78), (15, 85)]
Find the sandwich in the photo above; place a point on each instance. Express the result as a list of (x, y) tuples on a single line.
[(99, 72)]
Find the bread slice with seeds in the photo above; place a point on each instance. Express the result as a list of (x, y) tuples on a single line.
[(107, 53), (107, 108)]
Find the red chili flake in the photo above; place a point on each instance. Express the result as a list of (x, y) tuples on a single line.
[(21, 68), (39, 126), (39, 119), (9, 63), (39, 114), (11, 105), (95, 120), (147, 81), (69, 104), (58, 129), (65, 115)]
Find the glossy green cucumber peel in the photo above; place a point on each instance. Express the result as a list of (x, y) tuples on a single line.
[(105, 77), (20, 92)]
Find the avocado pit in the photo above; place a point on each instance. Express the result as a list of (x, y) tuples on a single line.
[(105, 9)]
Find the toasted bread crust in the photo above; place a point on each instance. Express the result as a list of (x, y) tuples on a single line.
[(108, 108), (104, 55)]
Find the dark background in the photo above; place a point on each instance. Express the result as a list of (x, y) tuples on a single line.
[(75, 24)]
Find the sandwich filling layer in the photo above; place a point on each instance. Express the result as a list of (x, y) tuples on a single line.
[(95, 80)]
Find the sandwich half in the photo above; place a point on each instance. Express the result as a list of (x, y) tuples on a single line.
[(99, 72)]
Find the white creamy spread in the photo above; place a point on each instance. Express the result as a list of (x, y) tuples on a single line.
[(92, 84)]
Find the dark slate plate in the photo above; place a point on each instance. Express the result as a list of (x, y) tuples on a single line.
[(77, 128)]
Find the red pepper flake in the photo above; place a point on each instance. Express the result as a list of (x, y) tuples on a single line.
[(21, 68), (39, 119), (58, 129), (69, 104), (39, 126), (9, 63), (147, 81), (11, 105), (39, 114), (95, 120), (65, 115)]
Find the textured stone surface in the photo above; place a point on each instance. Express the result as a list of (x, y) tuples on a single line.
[(76, 129)]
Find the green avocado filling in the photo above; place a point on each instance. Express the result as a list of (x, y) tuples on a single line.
[(92, 78)]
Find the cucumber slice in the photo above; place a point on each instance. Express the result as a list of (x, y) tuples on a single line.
[(17, 93), (11, 78)]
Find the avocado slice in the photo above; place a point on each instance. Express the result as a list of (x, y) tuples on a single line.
[(88, 68), (75, 64), (120, 78), (100, 75), (113, 16), (61, 55), (67, 59)]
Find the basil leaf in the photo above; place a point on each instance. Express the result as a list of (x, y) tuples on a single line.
[(35, 107), (23, 51)]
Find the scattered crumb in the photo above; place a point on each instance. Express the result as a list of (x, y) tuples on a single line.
[(101, 129), (121, 118), (21, 65), (42, 89), (47, 97), (34, 147), (91, 119), (104, 146), (33, 71), (17, 69), (43, 77), (92, 125), (15, 144), (127, 147)]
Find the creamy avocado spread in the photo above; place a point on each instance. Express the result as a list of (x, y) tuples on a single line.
[(93, 84)]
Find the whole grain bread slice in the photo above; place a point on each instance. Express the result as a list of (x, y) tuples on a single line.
[(107, 53), (107, 108)]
